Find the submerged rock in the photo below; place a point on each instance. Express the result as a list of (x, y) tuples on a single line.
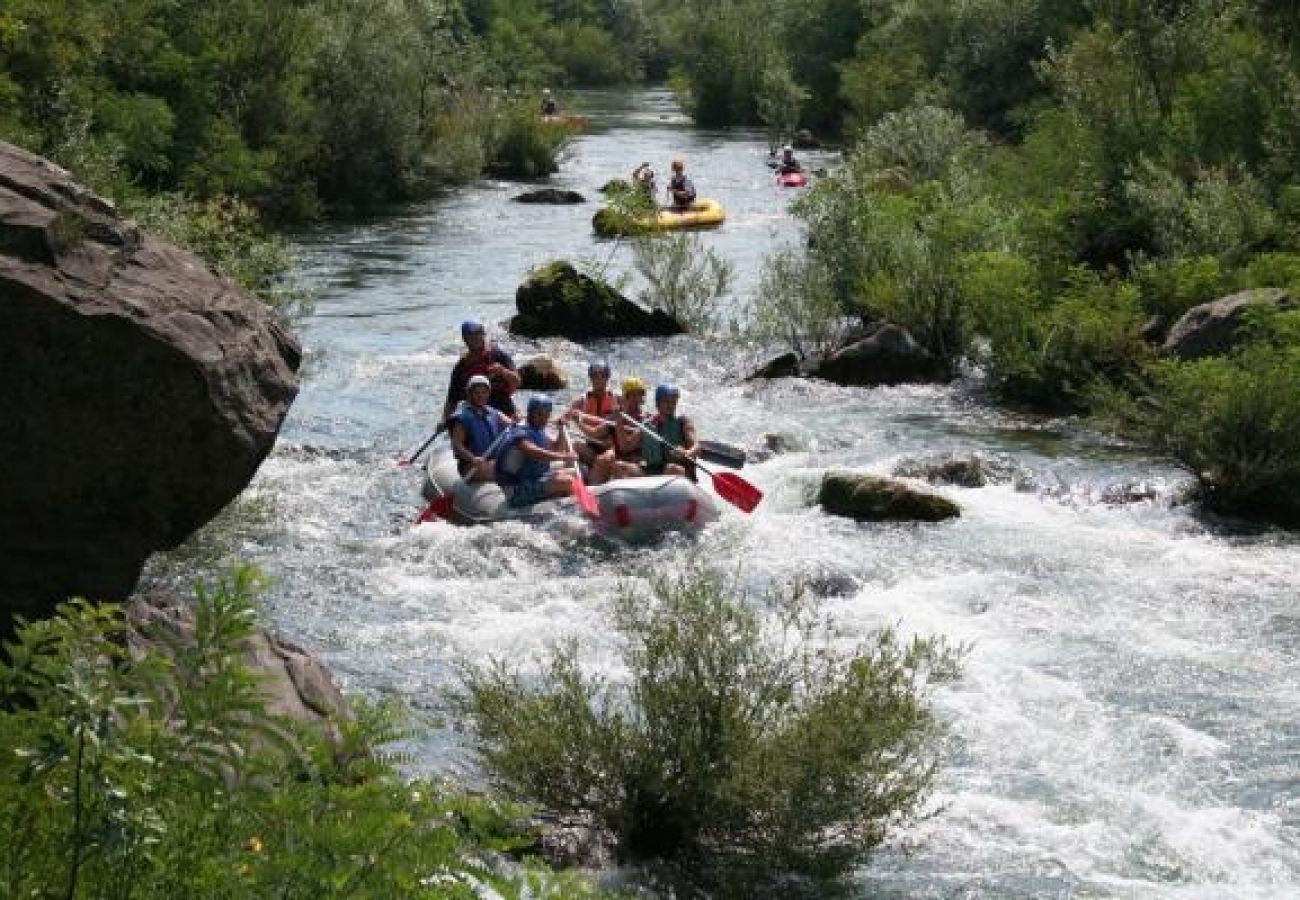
[(870, 498), (1213, 329), (551, 195), (558, 300), (140, 391), (971, 471)]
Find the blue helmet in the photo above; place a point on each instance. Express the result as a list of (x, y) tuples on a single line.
[(470, 326), (540, 402), (665, 390), (598, 366)]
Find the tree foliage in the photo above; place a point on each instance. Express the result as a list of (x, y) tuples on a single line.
[(743, 746)]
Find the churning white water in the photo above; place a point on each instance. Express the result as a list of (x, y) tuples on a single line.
[(1126, 725)]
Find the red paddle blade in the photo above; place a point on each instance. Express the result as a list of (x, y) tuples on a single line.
[(440, 508), (736, 490), (584, 498)]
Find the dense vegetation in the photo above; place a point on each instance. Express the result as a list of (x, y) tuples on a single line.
[(743, 748), (158, 774), (1032, 181)]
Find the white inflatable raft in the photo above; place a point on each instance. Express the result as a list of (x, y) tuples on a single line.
[(628, 506)]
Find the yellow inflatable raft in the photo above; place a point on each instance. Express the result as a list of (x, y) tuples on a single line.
[(704, 213)]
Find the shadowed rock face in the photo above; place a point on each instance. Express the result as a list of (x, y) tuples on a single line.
[(558, 300), (1215, 328), (869, 498), (139, 391)]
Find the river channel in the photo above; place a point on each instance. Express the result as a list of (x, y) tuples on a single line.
[(1128, 720)]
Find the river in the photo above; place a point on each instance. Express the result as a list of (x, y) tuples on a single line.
[(1128, 720)]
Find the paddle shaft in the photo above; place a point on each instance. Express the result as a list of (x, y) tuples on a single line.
[(410, 460)]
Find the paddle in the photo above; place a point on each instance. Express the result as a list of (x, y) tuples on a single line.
[(441, 507), (581, 493), (730, 486), (405, 460)]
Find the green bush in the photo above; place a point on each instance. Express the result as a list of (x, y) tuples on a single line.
[(743, 747), (522, 145), (1055, 356), (683, 277), (796, 305), (1233, 421), (160, 775)]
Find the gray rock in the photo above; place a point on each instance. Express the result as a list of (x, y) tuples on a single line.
[(870, 498), (888, 356), (1213, 329), (554, 196), (786, 365), (971, 471), (293, 682), (558, 300), (140, 391)]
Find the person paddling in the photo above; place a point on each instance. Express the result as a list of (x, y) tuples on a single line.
[(677, 430), (788, 163), (681, 191), (593, 411), (481, 358), (643, 180), (525, 458), (474, 427), (627, 436)]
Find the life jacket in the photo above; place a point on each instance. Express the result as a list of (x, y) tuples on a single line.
[(601, 408), (671, 430), (513, 467), (628, 439), (480, 429), (478, 363)]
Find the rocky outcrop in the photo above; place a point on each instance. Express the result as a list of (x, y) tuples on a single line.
[(886, 355), (292, 682), (140, 391), (1213, 329), (558, 300), (889, 356), (870, 498), (554, 196), (542, 374)]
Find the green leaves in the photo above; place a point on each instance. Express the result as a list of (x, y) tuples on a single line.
[(742, 745)]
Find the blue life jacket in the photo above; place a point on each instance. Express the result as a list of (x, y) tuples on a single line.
[(481, 429), (513, 467)]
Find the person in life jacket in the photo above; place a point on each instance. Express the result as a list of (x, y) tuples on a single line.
[(474, 428), (525, 458), (594, 412), (788, 162), (480, 358), (681, 192), (679, 431), (627, 437)]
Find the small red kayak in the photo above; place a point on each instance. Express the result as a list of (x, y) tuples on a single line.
[(791, 179)]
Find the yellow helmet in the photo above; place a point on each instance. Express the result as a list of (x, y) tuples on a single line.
[(632, 385)]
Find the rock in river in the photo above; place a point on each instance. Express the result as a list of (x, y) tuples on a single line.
[(140, 391), (558, 300), (870, 498)]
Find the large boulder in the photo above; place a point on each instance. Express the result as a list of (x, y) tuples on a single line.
[(140, 391), (558, 300), (888, 356), (870, 498), (1213, 329), (542, 374)]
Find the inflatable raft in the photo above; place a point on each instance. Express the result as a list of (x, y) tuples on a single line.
[(791, 179), (628, 506), (701, 214)]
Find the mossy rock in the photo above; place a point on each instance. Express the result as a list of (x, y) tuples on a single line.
[(870, 498), (558, 300)]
